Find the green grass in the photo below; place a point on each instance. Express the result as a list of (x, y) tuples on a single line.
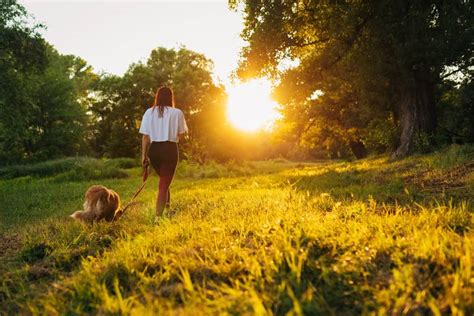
[(74, 169), (367, 237)]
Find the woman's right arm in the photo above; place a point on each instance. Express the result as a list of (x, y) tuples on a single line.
[(145, 131), (145, 146), (182, 126)]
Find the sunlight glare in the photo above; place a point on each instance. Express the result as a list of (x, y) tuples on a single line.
[(250, 107)]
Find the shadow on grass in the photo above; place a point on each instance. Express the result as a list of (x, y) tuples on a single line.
[(355, 184), (44, 260), (401, 184), (319, 289)]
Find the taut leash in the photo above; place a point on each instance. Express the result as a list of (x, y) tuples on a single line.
[(120, 212)]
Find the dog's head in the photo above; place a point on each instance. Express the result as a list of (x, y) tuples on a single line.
[(82, 216)]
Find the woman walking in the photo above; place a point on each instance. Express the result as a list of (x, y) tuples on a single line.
[(162, 126)]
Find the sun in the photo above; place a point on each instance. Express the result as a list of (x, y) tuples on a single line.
[(250, 107)]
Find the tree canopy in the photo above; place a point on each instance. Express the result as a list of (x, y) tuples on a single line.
[(120, 102), (54, 105), (378, 63), (41, 115), (352, 78)]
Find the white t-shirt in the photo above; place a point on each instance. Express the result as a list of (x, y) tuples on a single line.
[(166, 128)]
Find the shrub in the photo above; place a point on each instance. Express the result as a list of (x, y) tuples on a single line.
[(122, 163), (78, 168), (451, 156)]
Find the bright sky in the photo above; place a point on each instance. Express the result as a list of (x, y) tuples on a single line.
[(110, 35)]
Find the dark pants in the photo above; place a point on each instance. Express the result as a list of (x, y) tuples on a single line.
[(164, 159)]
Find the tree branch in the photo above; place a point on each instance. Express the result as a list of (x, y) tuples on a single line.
[(465, 67), (302, 44), (311, 123), (350, 42)]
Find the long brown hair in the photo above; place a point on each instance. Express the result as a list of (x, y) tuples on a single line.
[(163, 97)]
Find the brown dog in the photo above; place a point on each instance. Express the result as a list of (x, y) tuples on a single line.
[(99, 203)]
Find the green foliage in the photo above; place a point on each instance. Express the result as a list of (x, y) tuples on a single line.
[(22, 49), (42, 169), (374, 61), (91, 169), (121, 101), (456, 110), (22, 54), (122, 163), (452, 156), (58, 124), (380, 136), (275, 237), (71, 169), (41, 110)]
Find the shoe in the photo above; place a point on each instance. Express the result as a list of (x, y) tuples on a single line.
[(159, 220), (162, 220)]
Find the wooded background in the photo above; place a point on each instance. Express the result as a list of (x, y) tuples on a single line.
[(352, 78)]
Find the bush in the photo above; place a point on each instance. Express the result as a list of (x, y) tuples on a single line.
[(42, 169), (79, 168), (452, 156), (92, 170), (122, 163)]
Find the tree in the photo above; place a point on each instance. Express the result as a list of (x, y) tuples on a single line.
[(121, 101), (41, 110), (58, 124), (457, 112), (390, 56), (22, 53)]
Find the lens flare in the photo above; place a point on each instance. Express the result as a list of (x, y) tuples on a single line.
[(250, 107)]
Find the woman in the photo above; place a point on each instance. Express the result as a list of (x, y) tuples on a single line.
[(162, 126)]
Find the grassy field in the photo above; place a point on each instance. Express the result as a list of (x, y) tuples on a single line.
[(331, 238)]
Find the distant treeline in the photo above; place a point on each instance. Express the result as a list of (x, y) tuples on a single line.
[(54, 105)]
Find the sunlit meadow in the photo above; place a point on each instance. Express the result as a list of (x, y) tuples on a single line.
[(370, 237)]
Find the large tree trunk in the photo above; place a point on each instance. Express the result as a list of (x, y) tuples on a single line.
[(358, 149), (417, 113)]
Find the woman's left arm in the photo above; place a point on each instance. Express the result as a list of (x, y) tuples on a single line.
[(145, 146)]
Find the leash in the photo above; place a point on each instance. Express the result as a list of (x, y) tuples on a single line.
[(145, 175)]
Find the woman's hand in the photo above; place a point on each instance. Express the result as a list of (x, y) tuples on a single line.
[(145, 146), (145, 162)]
